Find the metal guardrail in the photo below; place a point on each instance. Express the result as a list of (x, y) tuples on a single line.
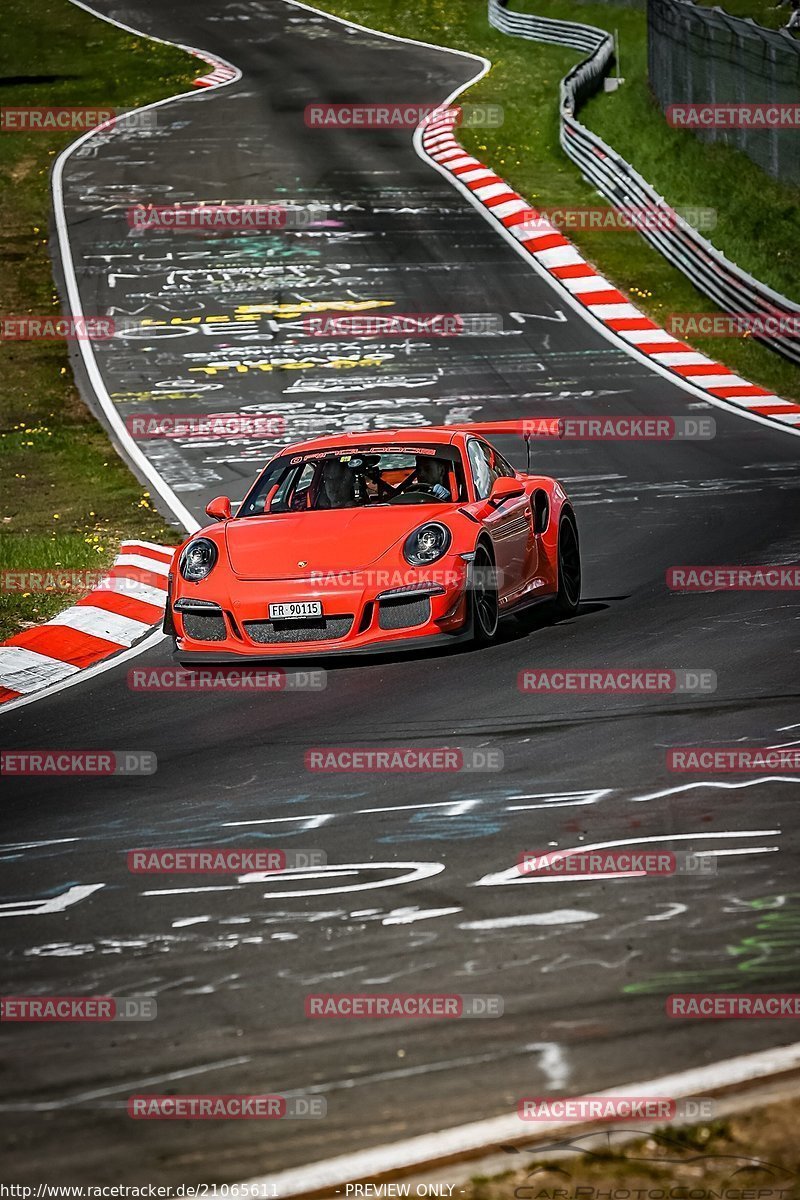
[(707, 268)]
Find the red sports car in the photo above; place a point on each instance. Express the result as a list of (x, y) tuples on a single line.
[(373, 541)]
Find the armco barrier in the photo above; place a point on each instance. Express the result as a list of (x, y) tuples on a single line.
[(706, 267)]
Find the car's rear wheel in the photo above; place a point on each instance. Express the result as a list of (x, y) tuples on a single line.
[(568, 597), (485, 601)]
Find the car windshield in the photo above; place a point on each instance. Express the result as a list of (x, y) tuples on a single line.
[(356, 477)]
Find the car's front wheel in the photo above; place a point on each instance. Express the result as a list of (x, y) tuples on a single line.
[(485, 602), (568, 597)]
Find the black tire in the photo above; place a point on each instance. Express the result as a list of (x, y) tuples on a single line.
[(485, 603), (568, 597)]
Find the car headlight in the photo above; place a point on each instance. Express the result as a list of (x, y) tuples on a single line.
[(427, 544), (197, 559)]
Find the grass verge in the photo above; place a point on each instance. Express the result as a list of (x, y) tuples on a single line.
[(763, 12), (67, 498), (758, 222), (753, 1155)]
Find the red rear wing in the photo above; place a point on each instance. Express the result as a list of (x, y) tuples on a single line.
[(527, 428)]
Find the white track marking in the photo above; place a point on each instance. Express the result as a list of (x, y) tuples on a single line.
[(156, 566), (463, 1140), (559, 799), (148, 546), (413, 873), (51, 904), (559, 916), (10, 847), (313, 821), (106, 665), (407, 916), (126, 1086), (714, 783), (551, 1063), (101, 623), (582, 284), (674, 910), (126, 585), (513, 874), (22, 670)]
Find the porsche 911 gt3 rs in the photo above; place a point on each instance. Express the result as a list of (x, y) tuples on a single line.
[(365, 542)]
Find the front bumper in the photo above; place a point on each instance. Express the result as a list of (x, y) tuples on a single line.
[(357, 618)]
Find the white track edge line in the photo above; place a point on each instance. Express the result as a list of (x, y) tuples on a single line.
[(126, 442), (573, 302), (128, 446), (609, 334)]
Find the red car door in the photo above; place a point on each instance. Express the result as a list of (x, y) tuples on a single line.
[(510, 525)]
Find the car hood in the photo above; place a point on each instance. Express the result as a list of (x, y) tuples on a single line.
[(296, 545)]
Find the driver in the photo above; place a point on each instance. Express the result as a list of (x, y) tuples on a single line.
[(431, 473)]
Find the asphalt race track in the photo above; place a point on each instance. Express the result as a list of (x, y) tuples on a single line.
[(584, 966)]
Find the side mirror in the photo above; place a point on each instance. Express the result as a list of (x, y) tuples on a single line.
[(505, 488), (219, 508)]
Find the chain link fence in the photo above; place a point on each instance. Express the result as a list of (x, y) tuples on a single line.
[(703, 56)]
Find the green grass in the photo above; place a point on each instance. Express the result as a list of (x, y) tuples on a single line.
[(758, 219), (67, 498), (763, 12)]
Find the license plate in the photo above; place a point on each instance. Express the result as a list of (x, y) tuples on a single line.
[(295, 610)]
